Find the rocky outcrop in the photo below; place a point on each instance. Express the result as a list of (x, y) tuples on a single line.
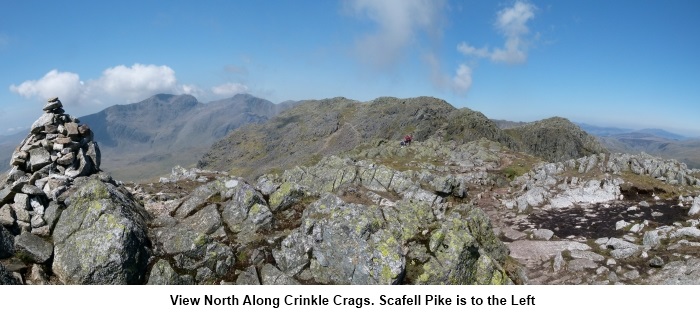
[(100, 237), (556, 139), (591, 180), (342, 221)]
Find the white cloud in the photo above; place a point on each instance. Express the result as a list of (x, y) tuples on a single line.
[(117, 85), (512, 23), (460, 83), (466, 49), (229, 89), (66, 85), (462, 80), (136, 82), (399, 23)]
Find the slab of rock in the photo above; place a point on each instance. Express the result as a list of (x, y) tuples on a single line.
[(100, 237), (542, 234), (581, 264), (7, 215), (270, 275), (542, 250), (33, 248), (583, 254), (692, 232), (163, 274), (248, 277), (512, 234)]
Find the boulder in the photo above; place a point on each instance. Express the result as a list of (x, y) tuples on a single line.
[(32, 248), (100, 237)]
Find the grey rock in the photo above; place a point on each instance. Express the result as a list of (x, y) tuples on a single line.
[(270, 275), (52, 214), (100, 237), (542, 250), (542, 234), (248, 277), (205, 221), (6, 277), (687, 232), (33, 248), (631, 275), (584, 254), (695, 208), (44, 119), (37, 275), (656, 262), (38, 158), (559, 263), (7, 215), (32, 190), (293, 255), (651, 239), (246, 213), (21, 202), (285, 196), (7, 243), (6, 195), (512, 234), (678, 272), (581, 264), (624, 252), (198, 198), (163, 274)]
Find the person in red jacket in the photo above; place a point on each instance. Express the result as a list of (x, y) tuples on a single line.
[(407, 140)]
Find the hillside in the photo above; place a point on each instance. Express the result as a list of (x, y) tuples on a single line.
[(555, 139), (318, 128), (146, 139)]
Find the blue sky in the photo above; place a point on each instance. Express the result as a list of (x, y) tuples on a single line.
[(610, 63)]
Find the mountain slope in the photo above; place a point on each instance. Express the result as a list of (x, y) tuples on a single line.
[(317, 128), (555, 139), (148, 138)]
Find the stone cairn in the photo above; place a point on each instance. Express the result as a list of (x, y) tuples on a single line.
[(57, 150)]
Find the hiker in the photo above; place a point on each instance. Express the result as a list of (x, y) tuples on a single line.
[(407, 140)]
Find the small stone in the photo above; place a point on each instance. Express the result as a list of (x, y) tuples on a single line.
[(643, 204), (656, 262), (7, 215), (72, 129), (542, 234), (52, 104), (619, 225)]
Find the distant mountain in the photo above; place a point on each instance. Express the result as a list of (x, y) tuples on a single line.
[(146, 139), (317, 128), (614, 131), (602, 131), (657, 142), (507, 124)]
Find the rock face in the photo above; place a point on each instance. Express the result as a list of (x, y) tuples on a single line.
[(101, 237), (62, 220)]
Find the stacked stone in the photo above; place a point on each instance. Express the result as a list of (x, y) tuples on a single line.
[(57, 150)]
